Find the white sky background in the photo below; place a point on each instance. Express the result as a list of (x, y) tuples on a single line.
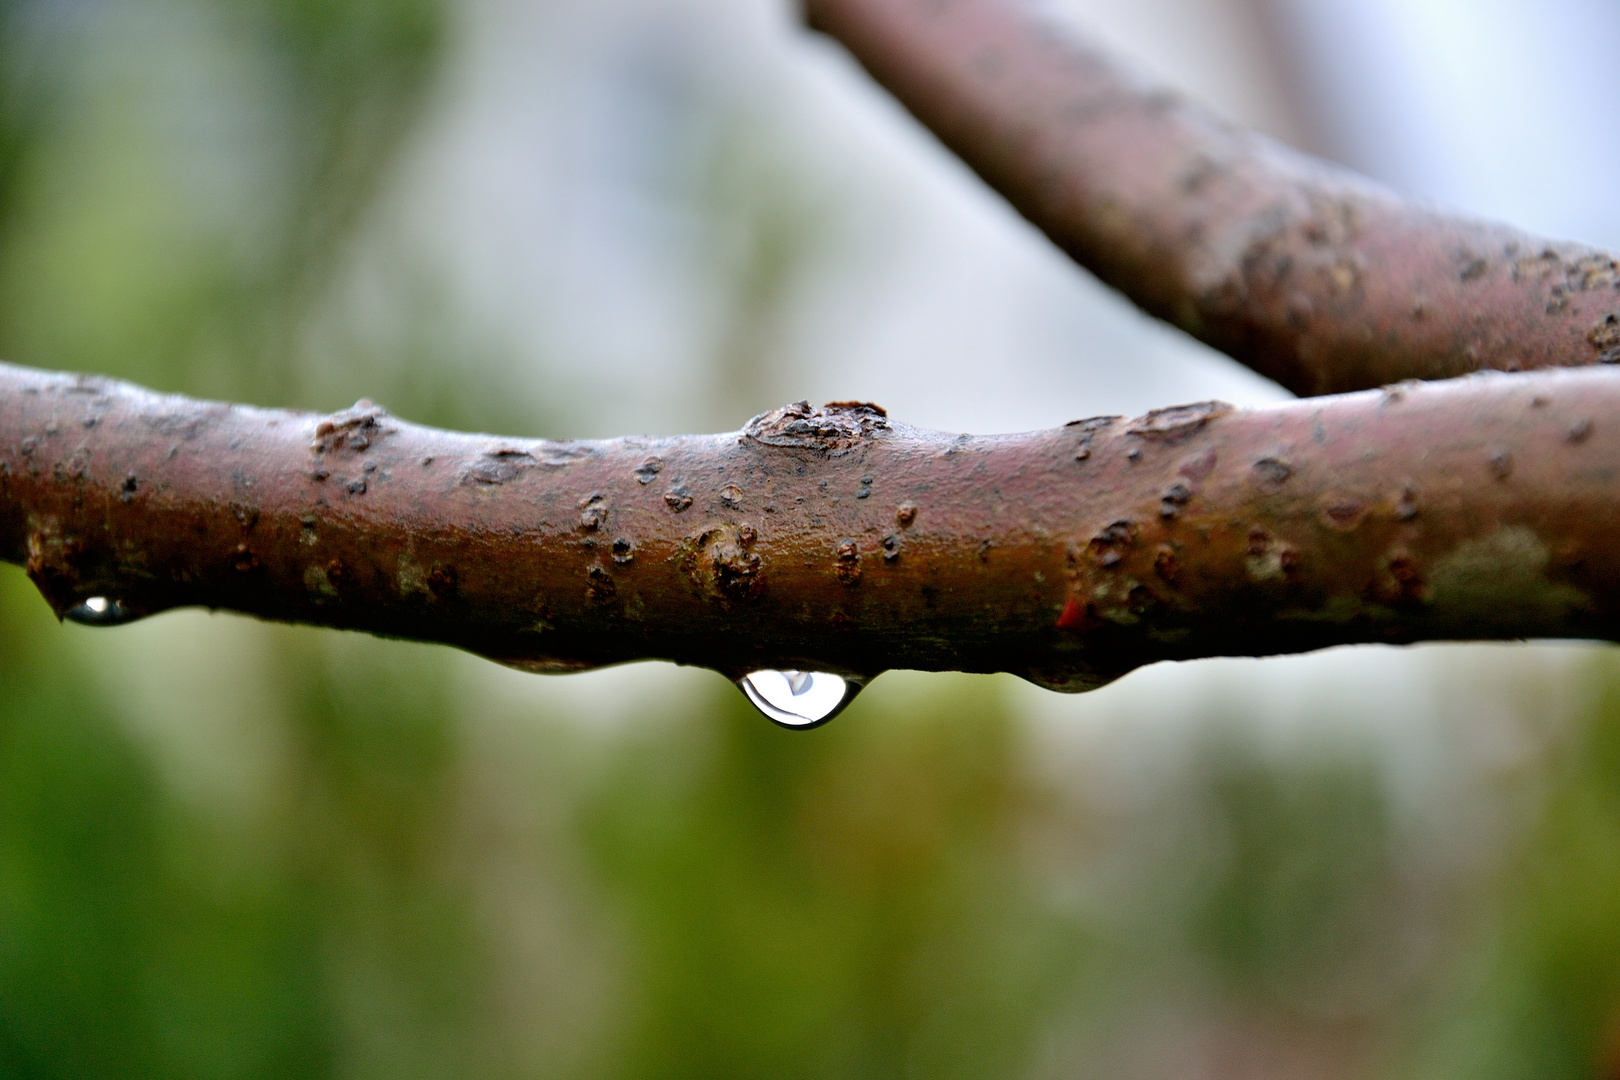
[(1505, 108)]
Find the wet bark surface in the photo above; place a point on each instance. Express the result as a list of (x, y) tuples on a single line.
[(1312, 275), (837, 538)]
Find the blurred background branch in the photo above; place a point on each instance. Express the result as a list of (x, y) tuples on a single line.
[(1306, 272)]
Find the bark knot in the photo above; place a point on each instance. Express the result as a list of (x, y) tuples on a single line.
[(835, 428), (355, 428), (722, 563), (498, 466), (1178, 422)]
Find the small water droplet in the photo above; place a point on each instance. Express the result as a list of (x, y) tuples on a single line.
[(99, 611), (798, 699)]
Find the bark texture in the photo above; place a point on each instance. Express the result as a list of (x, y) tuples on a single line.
[(1310, 274), (835, 538)]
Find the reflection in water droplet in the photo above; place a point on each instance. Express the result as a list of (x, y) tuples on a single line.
[(99, 611), (798, 699)]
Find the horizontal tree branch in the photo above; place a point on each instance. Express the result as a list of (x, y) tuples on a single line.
[(836, 539), (1308, 273)]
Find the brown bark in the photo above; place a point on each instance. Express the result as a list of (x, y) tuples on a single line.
[(1311, 275), (837, 539)]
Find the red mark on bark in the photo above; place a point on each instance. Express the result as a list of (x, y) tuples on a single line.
[(1076, 616)]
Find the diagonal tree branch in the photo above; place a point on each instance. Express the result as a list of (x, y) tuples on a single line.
[(1311, 275), (836, 539)]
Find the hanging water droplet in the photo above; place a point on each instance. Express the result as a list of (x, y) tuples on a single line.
[(798, 699), (99, 611)]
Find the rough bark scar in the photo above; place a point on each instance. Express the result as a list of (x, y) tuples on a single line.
[(835, 428), (498, 466), (354, 429), (1177, 423)]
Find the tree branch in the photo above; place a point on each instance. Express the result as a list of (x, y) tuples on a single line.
[(1311, 275), (836, 539)]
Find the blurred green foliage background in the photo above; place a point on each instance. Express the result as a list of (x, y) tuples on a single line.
[(233, 850)]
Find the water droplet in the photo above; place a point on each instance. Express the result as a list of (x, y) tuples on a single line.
[(798, 699), (99, 611)]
